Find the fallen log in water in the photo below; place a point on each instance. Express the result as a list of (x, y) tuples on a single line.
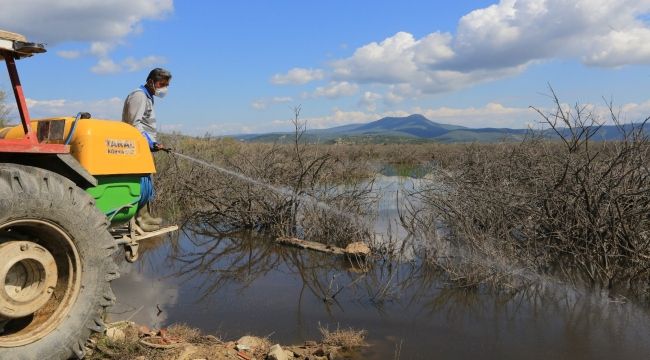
[(310, 245), (357, 249)]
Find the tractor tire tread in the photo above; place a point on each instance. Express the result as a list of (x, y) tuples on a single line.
[(57, 199)]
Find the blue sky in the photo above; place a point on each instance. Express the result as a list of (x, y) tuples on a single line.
[(241, 66)]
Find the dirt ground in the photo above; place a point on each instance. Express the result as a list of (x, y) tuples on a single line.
[(129, 341)]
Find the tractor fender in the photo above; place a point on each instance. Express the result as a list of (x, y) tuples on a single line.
[(63, 164)]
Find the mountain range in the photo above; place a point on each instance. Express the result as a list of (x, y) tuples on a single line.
[(412, 129)]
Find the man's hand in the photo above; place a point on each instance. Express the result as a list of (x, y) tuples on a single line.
[(159, 147)]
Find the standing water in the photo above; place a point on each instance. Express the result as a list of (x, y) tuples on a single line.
[(245, 284)]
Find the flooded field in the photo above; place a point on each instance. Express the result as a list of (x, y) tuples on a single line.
[(244, 283)]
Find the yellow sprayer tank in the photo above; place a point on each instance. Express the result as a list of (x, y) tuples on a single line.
[(102, 147)]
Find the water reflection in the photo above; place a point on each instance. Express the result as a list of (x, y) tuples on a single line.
[(235, 283), (239, 283), (141, 293), (213, 260)]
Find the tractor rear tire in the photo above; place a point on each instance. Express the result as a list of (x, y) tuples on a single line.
[(41, 209)]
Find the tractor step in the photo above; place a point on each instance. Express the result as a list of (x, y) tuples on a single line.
[(131, 234)]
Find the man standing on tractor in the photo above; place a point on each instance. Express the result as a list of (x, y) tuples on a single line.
[(139, 112)]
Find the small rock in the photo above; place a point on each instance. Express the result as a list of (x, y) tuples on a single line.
[(254, 343), (310, 343), (141, 357), (290, 354), (115, 334), (357, 249), (276, 353), (242, 347)]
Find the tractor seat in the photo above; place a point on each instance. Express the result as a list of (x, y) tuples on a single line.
[(18, 45)]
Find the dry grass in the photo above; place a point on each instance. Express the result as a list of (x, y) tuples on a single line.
[(127, 349), (345, 338), (184, 333), (131, 348)]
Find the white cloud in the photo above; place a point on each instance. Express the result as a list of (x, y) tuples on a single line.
[(139, 295), (261, 104), (133, 64), (336, 90), (493, 115), (403, 61), (171, 127), (298, 76), (61, 21), (397, 93), (102, 24), (369, 100), (101, 109), (490, 115), (69, 54), (337, 117), (106, 66), (619, 48), (101, 49), (390, 61), (512, 33), (220, 129), (499, 41)]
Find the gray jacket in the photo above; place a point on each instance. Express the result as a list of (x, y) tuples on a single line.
[(138, 111)]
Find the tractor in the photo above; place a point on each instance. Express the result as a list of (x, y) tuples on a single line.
[(69, 190)]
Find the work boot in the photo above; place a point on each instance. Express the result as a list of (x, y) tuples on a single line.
[(143, 218), (146, 227), (147, 217)]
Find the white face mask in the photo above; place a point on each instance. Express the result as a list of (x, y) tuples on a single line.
[(161, 92)]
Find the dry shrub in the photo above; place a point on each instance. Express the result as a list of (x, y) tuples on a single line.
[(346, 338), (343, 218), (184, 333), (293, 188), (568, 205), (129, 348)]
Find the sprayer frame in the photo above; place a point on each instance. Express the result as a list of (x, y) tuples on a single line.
[(29, 143), (28, 150)]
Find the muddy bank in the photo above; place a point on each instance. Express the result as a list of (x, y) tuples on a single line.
[(128, 340)]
